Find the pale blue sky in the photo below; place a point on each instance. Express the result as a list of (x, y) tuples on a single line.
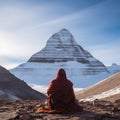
[(26, 25)]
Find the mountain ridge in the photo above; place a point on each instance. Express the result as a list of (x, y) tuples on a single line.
[(14, 88), (102, 90)]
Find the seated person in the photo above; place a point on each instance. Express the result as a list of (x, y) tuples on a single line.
[(61, 96)]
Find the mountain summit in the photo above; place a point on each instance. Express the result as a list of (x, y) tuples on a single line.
[(60, 47), (61, 51)]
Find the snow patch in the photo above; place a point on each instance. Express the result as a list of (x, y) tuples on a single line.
[(39, 88), (43, 73), (13, 97), (8, 95), (2, 92), (43, 89), (103, 95)]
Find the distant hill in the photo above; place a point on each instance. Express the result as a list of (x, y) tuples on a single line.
[(114, 68), (108, 89), (13, 88)]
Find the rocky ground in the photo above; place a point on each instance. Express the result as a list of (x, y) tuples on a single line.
[(26, 110)]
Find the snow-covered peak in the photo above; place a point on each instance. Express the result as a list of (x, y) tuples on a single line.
[(64, 30), (62, 47), (64, 33), (114, 68), (62, 37)]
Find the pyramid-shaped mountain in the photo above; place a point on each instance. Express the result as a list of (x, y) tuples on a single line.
[(14, 88), (61, 51), (62, 47)]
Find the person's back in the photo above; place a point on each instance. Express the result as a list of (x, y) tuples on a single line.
[(60, 93)]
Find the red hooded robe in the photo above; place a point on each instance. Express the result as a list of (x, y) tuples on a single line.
[(61, 96)]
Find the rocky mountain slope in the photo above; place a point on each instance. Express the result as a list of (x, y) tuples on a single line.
[(61, 51), (14, 88), (108, 89)]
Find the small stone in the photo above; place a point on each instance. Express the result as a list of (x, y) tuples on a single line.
[(8, 115), (26, 117)]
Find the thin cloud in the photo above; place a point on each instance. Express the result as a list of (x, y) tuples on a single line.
[(107, 53)]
